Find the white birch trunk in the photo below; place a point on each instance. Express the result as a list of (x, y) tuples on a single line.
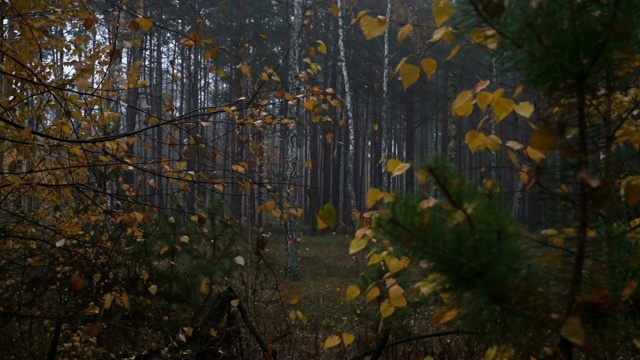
[(291, 225), (350, 148)]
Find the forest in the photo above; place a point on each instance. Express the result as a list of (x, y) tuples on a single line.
[(319, 179)]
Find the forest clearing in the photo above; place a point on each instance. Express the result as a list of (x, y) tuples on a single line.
[(319, 179)]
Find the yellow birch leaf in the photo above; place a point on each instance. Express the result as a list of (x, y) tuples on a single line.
[(352, 292), (335, 10), (392, 164), (442, 11), (524, 109), (153, 289), (164, 250), (440, 33), (453, 52), (145, 24), (444, 315), (347, 338), (294, 301), (423, 176), (204, 285), (400, 301), (184, 239), (373, 195), (357, 245), (402, 34), (483, 99), (108, 299), (126, 303), (327, 216), (573, 330), (386, 309), (373, 293), (373, 27), (375, 259), (430, 66), (332, 341), (482, 85), (630, 190), (534, 154), (514, 159), (322, 47), (493, 142), (83, 84), (543, 139), (463, 103), (518, 90), (475, 140), (409, 74), (514, 145), (302, 317), (502, 107), (400, 169), (239, 260)]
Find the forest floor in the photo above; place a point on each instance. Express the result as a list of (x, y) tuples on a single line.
[(327, 270)]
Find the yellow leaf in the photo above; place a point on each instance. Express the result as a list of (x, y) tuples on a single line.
[(440, 33), (409, 74), (352, 292), (347, 338), (543, 139), (573, 330), (204, 285), (392, 164), (453, 52), (332, 341), (442, 11), (335, 9), (294, 301), (463, 104), (518, 90), (373, 195), (373, 27), (396, 296), (429, 65), (60, 243), (126, 303), (239, 260), (357, 245), (164, 250), (322, 47), (145, 24), (184, 239), (501, 107), (501, 352), (423, 176), (213, 332), (482, 85), (394, 264), (493, 142), (386, 309), (302, 317), (514, 145), (402, 34), (444, 315), (108, 298), (534, 154), (373, 293), (524, 109), (483, 99), (327, 217), (153, 289), (400, 169), (475, 140)]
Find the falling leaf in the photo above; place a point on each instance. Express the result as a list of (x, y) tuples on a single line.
[(153, 289), (573, 330), (352, 292), (543, 139), (402, 34), (429, 65), (373, 27), (442, 11), (409, 74), (524, 109), (239, 260), (145, 24), (332, 341)]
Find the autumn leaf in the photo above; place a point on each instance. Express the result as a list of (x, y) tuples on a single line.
[(524, 109), (153, 289), (483, 99), (404, 31), (326, 217), (442, 11), (322, 47), (463, 103), (475, 140), (145, 24), (409, 74), (332, 341), (357, 245), (373, 196), (453, 52), (543, 139), (386, 309), (444, 315), (352, 292), (573, 330), (347, 338), (502, 107), (373, 27), (239, 260), (430, 66), (373, 293)]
